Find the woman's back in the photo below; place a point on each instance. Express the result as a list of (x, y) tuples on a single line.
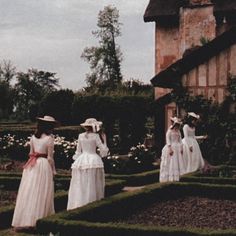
[(40, 145), (89, 142)]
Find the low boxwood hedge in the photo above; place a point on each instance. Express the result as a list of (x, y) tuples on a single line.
[(209, 180), (138, 179), (60, 201), (11, 180), (96, 218), (219, 175)]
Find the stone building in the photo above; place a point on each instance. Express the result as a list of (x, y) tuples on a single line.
[(195, 47)]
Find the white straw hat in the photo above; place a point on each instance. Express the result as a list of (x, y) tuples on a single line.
[(47, 119), (92, 122), (194, 115), (175, 120)]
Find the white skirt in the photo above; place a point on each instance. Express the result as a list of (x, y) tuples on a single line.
[(194, 159), (86, 185), (172, 166), (35, 197)]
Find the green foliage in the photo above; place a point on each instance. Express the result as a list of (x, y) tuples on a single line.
[(105, 59), (59, 105), (204, 40), (218, 122), (30, 88), (7, 71), (139, 159), (138, 179), (60, 200), (6, 100), (127, 113)]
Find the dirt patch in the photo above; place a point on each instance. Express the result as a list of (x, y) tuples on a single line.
[(194, 212)]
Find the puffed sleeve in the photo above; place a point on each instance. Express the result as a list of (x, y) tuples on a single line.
[(187, 139), (168, 138), (103, 149), (78, 149), (31, 145), (200, 137), (51, 153)]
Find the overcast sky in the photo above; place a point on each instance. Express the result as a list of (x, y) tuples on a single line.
[(51, 35)]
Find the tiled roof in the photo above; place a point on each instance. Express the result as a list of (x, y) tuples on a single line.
[(167, 9)]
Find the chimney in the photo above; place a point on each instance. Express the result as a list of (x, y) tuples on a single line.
[(197, 24)]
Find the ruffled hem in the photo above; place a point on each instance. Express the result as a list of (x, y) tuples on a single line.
[(83, 167), (87, 161), (169, 177)]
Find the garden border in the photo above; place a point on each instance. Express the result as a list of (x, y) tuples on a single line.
[(95, 217)]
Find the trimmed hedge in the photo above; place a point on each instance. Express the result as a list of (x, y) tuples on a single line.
[(24, 131), (62, 180), (9, 183), (138, 179), (209, 180), (95, 218), (220, 175), (60, 201)]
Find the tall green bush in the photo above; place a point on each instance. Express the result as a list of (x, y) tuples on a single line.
[(122, 115), (218, 121)]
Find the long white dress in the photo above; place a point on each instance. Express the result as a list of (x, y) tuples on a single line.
[(35, 197), (88, 179), (194, 159), (172, 166)]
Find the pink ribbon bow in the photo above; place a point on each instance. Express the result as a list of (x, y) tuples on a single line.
[(32, 159)]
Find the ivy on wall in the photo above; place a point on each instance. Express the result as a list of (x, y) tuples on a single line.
[(217, 120)]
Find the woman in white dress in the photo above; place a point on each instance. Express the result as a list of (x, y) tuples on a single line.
[(192, 152), (172, 162), (88, 180), (35, 197)]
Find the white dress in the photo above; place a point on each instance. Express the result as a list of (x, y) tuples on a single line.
[(172, 166), (88, 180), (35, 197), (194, 159)]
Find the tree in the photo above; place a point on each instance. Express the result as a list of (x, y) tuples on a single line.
[(30, 88), (106, 58), (7, 71), (59, 105), (6, 100)]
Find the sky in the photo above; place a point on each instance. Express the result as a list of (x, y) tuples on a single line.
[(51, 35)]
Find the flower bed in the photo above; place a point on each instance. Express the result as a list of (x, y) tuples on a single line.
[(15, 148), (103, 217)]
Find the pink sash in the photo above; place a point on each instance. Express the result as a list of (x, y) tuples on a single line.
[(32, 159)]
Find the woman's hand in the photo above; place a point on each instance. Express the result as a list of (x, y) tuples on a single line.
[(191, 149), (171, 152)]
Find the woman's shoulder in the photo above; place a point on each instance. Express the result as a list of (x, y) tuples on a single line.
[(47, 137), (186, 126), (88, 135)]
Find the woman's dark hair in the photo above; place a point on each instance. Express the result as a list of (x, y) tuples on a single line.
[(43, 128), (174, 125), (189, 121)]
